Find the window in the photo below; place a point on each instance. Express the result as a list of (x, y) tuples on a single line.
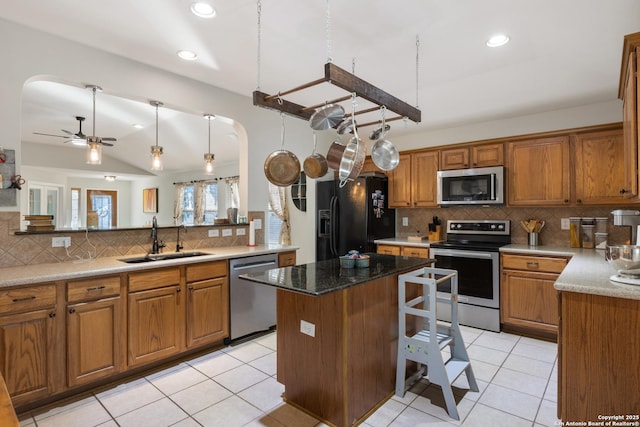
[(274, 225), (75, 207), (44, 200), (190, 194)]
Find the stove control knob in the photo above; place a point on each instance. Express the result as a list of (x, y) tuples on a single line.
[(493, 226), (501, 226)]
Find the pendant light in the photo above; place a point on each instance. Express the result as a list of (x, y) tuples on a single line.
[(209, 157), (156, 150), (94, 145)]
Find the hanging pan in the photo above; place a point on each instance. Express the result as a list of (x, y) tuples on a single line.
[(315, 166), (334, 155), (383, 153), (353, 155), (282, 167), (326, 117)]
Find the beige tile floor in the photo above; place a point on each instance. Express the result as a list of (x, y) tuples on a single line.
[(236, 386)]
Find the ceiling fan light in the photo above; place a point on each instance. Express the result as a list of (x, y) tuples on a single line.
[(94, 153), (79, 141), (209, 160), (156, 160)]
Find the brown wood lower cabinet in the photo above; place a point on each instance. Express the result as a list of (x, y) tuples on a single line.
[(415, 252), (528, 300), (96, 343), (29, 351), (388, 249), (207, 303), (598, 358)]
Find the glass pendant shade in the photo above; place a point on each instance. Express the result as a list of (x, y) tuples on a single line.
[(209, 167), (156, 160), (94, 153)]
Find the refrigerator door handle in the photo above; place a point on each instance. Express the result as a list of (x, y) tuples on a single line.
[(333, 225)]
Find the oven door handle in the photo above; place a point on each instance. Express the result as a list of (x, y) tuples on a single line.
[(461, 253)]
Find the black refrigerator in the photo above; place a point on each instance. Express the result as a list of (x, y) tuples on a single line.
[(353, 216)]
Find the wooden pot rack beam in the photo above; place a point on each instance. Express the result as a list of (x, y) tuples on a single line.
[(344, 80)]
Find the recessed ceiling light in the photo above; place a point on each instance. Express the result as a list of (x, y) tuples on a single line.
[(498, 40), (203, 10), (187, 55), (110, 177), (137, 126)]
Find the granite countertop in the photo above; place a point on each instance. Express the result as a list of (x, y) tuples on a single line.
[(404, 242), (323, 277), (587, 272), (39, 273)]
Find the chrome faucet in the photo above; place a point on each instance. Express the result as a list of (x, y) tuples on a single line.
[(156, 245), (178, 243)]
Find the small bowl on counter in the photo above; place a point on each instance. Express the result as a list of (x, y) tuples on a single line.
[(347, 262)]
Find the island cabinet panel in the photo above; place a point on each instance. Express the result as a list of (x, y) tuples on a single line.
[(546, 159), (598, 357), (348, 368), (29, 334)]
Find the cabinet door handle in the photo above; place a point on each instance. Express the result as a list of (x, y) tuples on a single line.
[(29, 298), (189, 287), (579, 200), (72, 310), (532, 264), (96, 288), (178, 290), (623, 191), (52, 315)]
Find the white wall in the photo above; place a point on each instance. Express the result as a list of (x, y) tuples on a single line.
[(28, 53)]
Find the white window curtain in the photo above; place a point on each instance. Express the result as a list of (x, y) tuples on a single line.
[(198, 214), (233, 192), (178, 207), (278, 204)]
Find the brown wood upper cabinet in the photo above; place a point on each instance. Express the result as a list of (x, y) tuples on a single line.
[(538, 172), (413, 183), (475, 156), (599, 179), (628, 92)]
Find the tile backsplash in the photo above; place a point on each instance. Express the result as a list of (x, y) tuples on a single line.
[(29, 249), (551, 234)]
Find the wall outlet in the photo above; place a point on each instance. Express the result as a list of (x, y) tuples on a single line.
[(227, 232), (257, 223), (308, 328), (240, 231), (405, 221), (564, 224), (214, 233), (60, 242)]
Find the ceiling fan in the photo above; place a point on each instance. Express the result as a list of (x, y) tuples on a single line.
[(79, 138)]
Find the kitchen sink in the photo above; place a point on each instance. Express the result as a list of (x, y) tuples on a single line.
[(162, 257)]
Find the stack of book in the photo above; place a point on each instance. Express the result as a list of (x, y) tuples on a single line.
[(39, 222)]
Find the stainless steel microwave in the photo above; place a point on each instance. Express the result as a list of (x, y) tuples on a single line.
[(479, 186)]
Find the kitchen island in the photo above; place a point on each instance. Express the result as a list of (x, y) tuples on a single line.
[(338, 334)]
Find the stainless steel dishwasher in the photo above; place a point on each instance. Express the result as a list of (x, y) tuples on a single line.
[(252, 306)]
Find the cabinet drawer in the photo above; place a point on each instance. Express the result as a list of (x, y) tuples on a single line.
[(94, 288), (534, 263), (206, 270), (286, 259), (153, 279), (415, 252), (389, 250), (31, 298)]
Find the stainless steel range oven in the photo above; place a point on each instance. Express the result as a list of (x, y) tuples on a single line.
[(472, 248)]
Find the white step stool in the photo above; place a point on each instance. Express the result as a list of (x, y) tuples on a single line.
[(420, 347)]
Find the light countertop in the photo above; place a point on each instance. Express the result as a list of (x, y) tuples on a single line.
[(40, 273), (587, 271), (403, 241)]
